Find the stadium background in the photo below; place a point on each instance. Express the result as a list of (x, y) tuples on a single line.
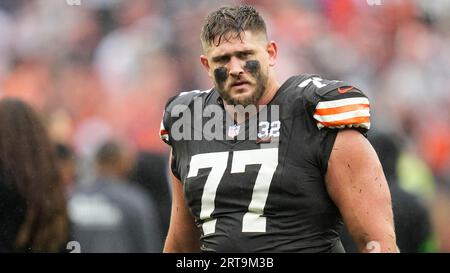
[(106, 67)]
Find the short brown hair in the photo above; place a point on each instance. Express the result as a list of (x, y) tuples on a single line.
[(228, 20)]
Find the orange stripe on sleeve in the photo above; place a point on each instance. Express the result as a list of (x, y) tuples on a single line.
[(351, 121), (341, 109)]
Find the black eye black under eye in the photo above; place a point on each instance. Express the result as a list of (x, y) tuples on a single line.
[(252, 66), (221, 74)]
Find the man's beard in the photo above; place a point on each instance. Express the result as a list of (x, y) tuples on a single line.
[(261, 85)]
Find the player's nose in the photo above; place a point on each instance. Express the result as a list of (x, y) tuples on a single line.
[(236, 67)]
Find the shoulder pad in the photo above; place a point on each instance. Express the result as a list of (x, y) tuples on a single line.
[(313, 87), (184, 98), (336, 104)]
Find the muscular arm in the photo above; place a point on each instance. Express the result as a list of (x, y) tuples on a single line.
[(183, 234), (356, 183)]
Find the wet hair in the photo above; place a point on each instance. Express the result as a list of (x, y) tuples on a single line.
[(231, 20), (28, 167)]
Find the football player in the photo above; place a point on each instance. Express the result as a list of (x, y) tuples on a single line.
[(287, 188)]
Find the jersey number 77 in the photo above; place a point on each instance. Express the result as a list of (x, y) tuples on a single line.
[(253, 221)]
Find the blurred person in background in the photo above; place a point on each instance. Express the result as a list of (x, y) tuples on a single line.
[(150, 171), (412, 218), (110, 214), (33, 214), (68, 166)]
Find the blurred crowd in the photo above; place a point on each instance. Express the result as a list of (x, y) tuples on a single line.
[(104, 69)]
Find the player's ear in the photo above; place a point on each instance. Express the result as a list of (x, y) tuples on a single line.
[(205, 64), (272, 49)]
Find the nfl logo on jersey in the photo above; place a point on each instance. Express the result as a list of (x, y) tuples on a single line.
[(233, 130)]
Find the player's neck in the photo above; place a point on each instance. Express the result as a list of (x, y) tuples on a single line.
[(271, 90)]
